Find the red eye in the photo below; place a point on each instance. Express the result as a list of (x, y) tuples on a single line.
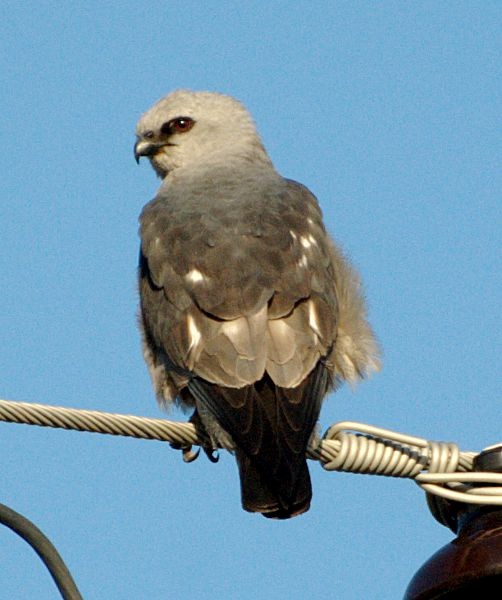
[(181, 124)]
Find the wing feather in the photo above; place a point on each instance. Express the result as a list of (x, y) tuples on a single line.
[(225, 292)]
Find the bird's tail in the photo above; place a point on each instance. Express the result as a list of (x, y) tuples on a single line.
[(259, 496), (270, 427)]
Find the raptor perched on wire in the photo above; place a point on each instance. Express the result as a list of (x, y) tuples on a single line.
[(249, 313)]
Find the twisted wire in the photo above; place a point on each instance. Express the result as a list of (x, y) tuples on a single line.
[(99, 422), (347, 446)]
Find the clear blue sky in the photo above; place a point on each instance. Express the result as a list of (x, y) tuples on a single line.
[(390, 113)]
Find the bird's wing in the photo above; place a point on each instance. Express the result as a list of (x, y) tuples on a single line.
[(233, 285)]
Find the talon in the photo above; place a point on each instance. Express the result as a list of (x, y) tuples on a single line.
[(212, 454), (189, 455)]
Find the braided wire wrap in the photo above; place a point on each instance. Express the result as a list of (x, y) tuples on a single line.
[(378, 451)]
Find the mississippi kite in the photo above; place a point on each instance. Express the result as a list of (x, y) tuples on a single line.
[(249, 313)]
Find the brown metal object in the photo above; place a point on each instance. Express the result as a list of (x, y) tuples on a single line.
[(470, 566)]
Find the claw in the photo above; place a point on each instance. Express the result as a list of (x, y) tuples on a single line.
[(212, 454), (188, 454)]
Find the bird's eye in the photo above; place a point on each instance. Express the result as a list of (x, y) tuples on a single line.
[(178, 125)]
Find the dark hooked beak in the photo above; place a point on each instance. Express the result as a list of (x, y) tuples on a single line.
[(146, 148)]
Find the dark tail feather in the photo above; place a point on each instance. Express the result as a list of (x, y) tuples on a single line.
[(259, 496), (270, 427)]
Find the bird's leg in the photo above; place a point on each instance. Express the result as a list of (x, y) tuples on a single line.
[(210, 451)]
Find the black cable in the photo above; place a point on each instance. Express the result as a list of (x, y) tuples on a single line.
[(44, 548)]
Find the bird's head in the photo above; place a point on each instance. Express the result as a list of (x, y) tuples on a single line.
[(187, 129)]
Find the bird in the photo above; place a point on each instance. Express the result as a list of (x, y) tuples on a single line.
[(249, 313)]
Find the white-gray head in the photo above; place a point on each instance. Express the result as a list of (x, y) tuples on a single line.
[(195, 128)]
